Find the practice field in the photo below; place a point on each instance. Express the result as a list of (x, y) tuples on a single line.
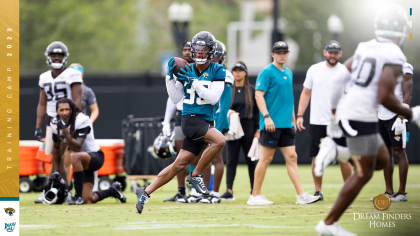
[(233, 217)]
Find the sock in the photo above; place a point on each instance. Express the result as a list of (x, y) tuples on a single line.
[(191, 169), (78, 182), (216, 194), (181, 190), (102, 194)]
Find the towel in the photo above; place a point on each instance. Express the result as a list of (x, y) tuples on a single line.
[(255, 150), (235, 129)]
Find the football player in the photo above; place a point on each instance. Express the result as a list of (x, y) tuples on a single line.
[(202, 84), (59, 82), (180, 197), (373, 70), (73, 128), (222, 124)]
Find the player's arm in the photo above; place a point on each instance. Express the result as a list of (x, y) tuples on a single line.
[(169, 112), (175, 89), (338, 83), (386, 94), (305, 96), (41, 109), (94, 112), (211, 95), (407, 89), (74, 143), (76, 93), (259, 97)]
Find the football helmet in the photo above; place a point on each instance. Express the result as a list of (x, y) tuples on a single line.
[(220, 52), (56, 190), (57, 47), (199, 43), (163, 147), (391, 22)]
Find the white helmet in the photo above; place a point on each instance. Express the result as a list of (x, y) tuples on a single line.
[(391, 22)]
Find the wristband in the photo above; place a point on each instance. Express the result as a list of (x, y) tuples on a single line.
[(300, 116)]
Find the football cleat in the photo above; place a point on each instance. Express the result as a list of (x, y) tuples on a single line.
[(320, 194), (75, 200), (194, 197), (117, 192), (198, 184), (142, 198)]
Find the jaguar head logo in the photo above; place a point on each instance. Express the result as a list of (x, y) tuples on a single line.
[(9, 211)]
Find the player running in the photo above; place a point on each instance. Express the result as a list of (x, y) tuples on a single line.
[(374, 68), (202, 84)]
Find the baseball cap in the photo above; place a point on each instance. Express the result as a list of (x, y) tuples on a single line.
[(280, 46), (240, 66), (333, 46), (77, 66)]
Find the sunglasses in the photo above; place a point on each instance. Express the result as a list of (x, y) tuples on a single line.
[(239, 66)]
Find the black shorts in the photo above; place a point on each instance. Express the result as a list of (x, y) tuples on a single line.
[(48, 119), (282, 137), (317, 133), (96, 162), (357, 128), (388, 135), (194, 128), (178, 114)]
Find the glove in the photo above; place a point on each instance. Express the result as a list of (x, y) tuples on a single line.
[(38, 134), (415, 115), (188, 76), (399, 126), (61, 124), (333, 129), (171, 68), (166, 129)]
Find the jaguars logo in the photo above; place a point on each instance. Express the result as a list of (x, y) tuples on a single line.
[(281, 44), (205, 75), (9, 211), (398, 138), (335, 44)]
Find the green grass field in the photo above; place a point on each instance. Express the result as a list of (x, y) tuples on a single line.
[(228, 218)]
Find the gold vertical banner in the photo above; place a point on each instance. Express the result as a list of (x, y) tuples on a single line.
[(9, 99)]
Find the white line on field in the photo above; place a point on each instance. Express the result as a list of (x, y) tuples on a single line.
[(177, 226), (32, 227)]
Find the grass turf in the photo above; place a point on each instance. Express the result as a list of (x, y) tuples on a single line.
[(109, 217)]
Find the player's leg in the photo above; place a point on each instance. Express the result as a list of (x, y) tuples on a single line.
[(217, 177), (194, 196), (90, 196), (370, 151), (232, 148), (216, 142), (389, 172), (67, 164), (345, 168), (317, 132), (207, 174), (286, 144), (401, 156)]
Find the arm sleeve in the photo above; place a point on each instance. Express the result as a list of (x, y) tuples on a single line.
[(263, 81), (337, 87), (82, 132), (212, 94), (308, 80), (175, 89), (170, 109), (256, 115), (225, 99)]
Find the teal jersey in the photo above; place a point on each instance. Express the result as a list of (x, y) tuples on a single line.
[(222, 121), (278, 88), (195, 105)]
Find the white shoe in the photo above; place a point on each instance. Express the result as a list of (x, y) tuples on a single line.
[(305, 198), (399, 197), (194, 196), (333, 230), (327, 154), (258, 200), (386, 194)]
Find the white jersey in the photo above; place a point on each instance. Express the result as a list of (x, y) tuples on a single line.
[(58, 87), (385, 114), (361, 103), (318, 80), (83, 128)]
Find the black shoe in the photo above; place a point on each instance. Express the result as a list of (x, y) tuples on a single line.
[(117, 192), (198, 184), (228, 196), (75, 200), (142, 198), (172, 199), (179, 198), (320, 194)]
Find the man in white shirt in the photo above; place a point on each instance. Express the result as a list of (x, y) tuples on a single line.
[(316, 87)]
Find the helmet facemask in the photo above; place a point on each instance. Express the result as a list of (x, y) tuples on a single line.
[(202, 49)]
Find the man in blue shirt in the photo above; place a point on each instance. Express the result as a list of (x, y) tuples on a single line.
[(201, 84), (274, 96)]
